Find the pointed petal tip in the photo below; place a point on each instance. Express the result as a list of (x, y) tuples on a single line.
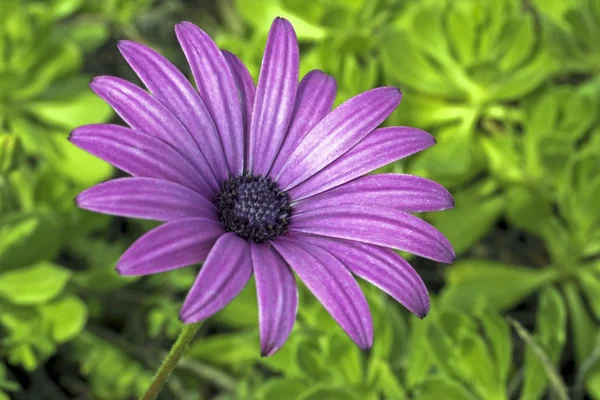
[(268, 351), (119, 270), (123, 268), (366, 346), (422, 312)]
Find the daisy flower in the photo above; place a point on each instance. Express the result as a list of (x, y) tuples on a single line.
[(264, 180)]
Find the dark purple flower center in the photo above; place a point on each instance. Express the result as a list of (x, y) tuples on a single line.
[(254, 207)]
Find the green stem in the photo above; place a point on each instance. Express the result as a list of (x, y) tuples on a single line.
[(170, 362)]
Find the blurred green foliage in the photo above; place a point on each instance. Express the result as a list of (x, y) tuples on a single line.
[(509, 88)]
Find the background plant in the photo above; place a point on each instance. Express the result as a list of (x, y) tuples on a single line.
[(509, 88)]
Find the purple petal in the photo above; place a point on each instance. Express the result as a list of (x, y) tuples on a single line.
[(403, 192), (178, 95), (316, 95), (381, 267), (380, 148), (217, 88), (277, 297), (146, 114), (172, 245), (337, 133), (332, 284), (245, 86), (146, 198), (275, 96), (380, 226), (224, 274), (138, 154)]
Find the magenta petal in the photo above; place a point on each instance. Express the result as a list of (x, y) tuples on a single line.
[(146, 198), (381, 267), (138, 154), (277, 297), (275, 96), (403, 192), (380, 148), (316, 95), (172, 245), (245, 87), (146, 114), (223, 275), (332, 284), (380, 226), (337, 133), (217, 88), (178, 95)]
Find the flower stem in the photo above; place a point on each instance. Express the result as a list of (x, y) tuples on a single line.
[(170, 362)]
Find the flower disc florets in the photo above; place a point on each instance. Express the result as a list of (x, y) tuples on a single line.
[(254, 207)]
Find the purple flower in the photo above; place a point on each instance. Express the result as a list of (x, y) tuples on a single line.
[(266, 181)]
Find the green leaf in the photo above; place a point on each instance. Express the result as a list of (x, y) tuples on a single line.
[(477, 360), (6, 383), (89, 35), (345, 358), (586, 334), (284, 361), (25, 339), (310, 360), (33, 285), (76, 164), (497, 334), (462, 31), (590, 285), (80, 108), (550, 335), (381, 379), (589, 373), (442, 388), (242, 312), (556, 382), (26, 238), (281, 389), (583, 328), (452, 160), (8, 147), (499, 286), (528, 209), (524, 80), (470, 220), (64, 8), (66, 317), (442, 343), (57, 62), (261, 13), (229, 349), (404, 61), (327, 393), (418, 357), (503, 159)]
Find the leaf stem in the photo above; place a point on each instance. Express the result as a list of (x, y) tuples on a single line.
[(170, 362)]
